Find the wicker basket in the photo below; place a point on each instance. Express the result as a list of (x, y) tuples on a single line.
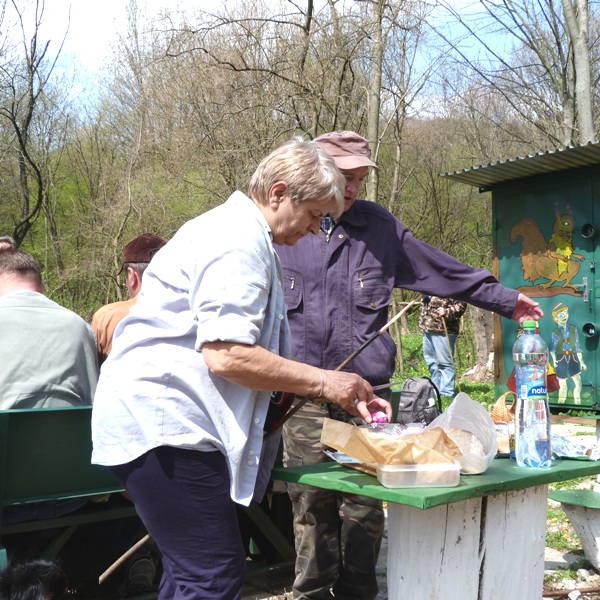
[(501, 413)]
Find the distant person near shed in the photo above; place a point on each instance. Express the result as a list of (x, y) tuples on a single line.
[(136, 257), (440, 323)]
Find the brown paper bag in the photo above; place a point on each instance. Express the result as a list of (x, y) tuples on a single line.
[(431, 446)]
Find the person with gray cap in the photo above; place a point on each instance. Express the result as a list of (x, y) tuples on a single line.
[(338, 285), (136, 257)]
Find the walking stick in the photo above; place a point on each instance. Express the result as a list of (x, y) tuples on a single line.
[(122, 559), (294, 409)]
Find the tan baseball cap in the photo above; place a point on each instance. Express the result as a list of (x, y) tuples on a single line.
[(348, 149)]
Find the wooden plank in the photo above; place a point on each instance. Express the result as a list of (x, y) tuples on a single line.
[(434, 553), (285, 550), (586, 522), (513, 543), (478, 549), (56, 445)]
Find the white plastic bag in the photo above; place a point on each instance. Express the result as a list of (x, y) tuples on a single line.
[(465, 413)]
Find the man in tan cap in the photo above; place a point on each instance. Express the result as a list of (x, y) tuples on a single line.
[(338, 285), (136, 257)]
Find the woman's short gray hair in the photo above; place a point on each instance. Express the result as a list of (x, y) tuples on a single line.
[(308, 171)]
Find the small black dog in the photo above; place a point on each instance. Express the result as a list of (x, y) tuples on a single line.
[(33, 580)]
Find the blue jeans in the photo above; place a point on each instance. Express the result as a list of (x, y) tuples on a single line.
[(438, 357)]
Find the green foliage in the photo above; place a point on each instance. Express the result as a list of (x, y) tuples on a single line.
[(575, 413), (579, 483), (412, 354), (480, 391), (562, 540), (415, 366)]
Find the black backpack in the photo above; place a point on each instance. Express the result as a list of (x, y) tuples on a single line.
[(420, 401)]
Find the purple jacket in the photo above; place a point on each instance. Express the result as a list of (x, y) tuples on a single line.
[(338, 291)]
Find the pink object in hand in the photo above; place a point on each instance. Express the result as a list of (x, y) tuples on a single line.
[(379, 417)]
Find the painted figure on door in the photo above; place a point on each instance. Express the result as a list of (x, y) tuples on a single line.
[(565, 353), (553, 260)]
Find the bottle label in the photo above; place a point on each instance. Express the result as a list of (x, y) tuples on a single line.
[(511, 440), (533, 385), (538, 391)]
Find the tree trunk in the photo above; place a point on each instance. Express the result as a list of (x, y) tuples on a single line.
[(576, 20), (483, 334), (375, 95)]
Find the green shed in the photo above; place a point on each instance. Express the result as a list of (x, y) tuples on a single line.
[(546, 230)]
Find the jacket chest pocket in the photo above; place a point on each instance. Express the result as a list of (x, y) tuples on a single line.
[(293, 289), (372, 289)]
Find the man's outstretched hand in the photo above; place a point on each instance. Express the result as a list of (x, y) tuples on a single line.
[(526, 309)]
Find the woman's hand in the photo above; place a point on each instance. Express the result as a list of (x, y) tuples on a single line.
[(354, 394), (372, 406)]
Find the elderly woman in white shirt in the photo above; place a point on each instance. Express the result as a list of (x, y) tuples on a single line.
[(179, 413)]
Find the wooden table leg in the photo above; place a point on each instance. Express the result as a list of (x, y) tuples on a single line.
[(477, 549), (434, 553)]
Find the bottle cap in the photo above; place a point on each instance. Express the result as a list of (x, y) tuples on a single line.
[(528, 325)]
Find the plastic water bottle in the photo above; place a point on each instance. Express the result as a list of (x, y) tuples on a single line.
[(532, 416)]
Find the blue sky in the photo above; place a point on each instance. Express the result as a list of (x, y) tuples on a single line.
[(93, 27), (94, 23)]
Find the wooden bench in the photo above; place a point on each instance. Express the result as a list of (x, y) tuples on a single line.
[(45, 455), (582, 507)]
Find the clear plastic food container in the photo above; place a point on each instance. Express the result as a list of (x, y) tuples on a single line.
[(426, 475)]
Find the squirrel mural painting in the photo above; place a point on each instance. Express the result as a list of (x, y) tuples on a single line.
[(553, 260), (549, 267)]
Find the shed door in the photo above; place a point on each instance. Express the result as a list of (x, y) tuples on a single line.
[(545, 244)]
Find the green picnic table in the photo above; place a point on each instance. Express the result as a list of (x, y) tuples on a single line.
[(481, 540)]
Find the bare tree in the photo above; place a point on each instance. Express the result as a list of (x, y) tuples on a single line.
[(577, 26), (536, 55), (33, 119), (378, 50), (194, 104)]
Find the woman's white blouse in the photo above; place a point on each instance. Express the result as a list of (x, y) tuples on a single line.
[(218, 279)]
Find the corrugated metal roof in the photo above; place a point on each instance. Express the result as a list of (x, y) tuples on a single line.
[(485, 177)]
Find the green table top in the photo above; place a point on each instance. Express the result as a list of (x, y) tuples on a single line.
[(502, 476)]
